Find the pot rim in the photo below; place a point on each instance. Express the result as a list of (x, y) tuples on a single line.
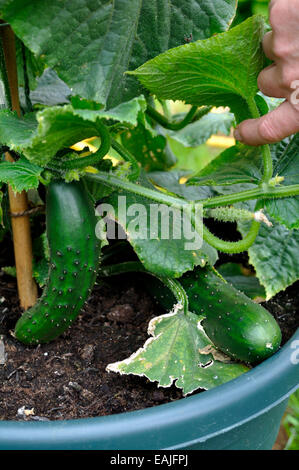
[(199, 417)]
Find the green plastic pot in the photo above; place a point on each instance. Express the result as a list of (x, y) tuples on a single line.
[(242, 414)]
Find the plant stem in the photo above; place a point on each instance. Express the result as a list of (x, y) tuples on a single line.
[(113, 181), (232, 247), (4, 77), (263, 192), (26, 80), (165, 108), (128, 157), (268, 164), (93, 159), (135, 266), (175, 126), (267, 158), (162, 198), (229, 214), (27, 288), (9, 51), (176, 202)]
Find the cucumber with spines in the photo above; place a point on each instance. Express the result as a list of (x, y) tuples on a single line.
[(74, 258), (235, 324)]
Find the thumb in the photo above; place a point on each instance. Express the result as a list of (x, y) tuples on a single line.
[(272, 127)]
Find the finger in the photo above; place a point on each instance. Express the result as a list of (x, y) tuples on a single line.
[(272, 3), (272, 127), (268, 45), (268, 82)]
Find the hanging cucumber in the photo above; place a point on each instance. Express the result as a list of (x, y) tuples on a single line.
[(236, 325), (74, 258)]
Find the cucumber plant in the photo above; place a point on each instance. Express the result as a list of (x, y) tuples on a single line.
[(95, 130)]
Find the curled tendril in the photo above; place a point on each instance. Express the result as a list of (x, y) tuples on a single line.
[(93, 159)]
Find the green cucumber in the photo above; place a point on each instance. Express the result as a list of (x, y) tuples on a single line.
[(74, 258), (235, 324)]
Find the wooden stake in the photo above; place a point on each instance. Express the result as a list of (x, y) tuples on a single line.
[(27, 288)]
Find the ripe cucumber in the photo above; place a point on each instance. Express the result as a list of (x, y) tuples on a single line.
[(74, 258), (235, 324)]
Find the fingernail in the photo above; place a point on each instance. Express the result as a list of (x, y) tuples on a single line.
[(237, 135)]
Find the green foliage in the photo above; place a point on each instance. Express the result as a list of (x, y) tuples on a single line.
[(120, 35), (199, 132), (245, 282), (285, 155), (21, 175), (50, 90), (171, 182), (1, 210), (219, 71), (87, 46), (40, 136), (237, 164), (29, 67), (162, 252), (41, 272), (291, 422), (274, 257), (10, 270), (149, 148)]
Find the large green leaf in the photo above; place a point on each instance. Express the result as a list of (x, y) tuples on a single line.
[(237, 164), (91, 43), (170, 180), (174, 353), (158, 235), (221, 70)]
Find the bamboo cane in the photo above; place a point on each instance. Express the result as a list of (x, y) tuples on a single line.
[(27, 288)]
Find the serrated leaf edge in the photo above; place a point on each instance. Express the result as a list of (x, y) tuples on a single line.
[(115, 366)]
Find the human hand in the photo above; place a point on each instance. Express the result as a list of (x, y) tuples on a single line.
[(279, 80)]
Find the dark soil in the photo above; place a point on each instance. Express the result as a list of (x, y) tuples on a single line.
[(67, 379)]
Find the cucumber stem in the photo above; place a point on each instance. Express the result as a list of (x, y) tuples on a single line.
[(93, 159), (232, 247), (173, 126), (128, 157), (110, 180), (162, 198), (135, 266), (267, 158), (262, 192)]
